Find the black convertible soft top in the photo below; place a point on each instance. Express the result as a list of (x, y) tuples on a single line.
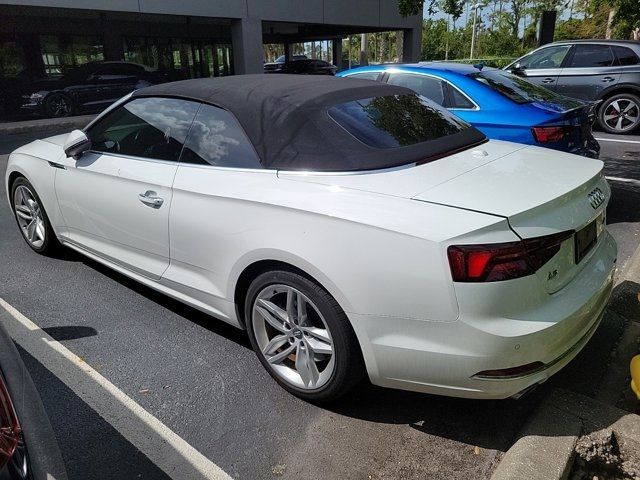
[(286, 119)]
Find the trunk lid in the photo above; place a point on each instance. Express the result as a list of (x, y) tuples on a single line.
[(577, 116), (540, 192), (407, 182)]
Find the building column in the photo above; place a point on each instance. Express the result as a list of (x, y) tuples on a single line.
[(288, 51), (246, 39), (113, 46), (336, 53), (411, 44)]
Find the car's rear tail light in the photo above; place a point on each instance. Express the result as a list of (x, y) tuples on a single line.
[(513, 372), (550, 134), (10, 432), (503, 261)]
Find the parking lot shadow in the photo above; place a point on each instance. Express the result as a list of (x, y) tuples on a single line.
[(623, 205), (487, 424), (194, 315), (70, 332)]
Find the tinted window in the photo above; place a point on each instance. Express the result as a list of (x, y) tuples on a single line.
[(592, 56), (145, 127), (626, 56), (395, 121), (217, 139), (424, 85), (458, 100), (550, 57), (516, 88), (365, 75)]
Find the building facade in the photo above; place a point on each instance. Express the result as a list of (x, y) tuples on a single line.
[(197, 38)]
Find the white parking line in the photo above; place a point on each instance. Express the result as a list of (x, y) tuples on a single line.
[(616, 140), (625, 180), (161, 445)]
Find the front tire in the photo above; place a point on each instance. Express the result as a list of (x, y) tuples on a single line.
[(31, 217), (302, 336), (620, 114)]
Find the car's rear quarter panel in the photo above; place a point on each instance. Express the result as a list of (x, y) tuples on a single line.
[(376, 254)]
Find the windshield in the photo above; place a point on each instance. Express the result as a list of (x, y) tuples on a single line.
[(514, 87), (395, 121)]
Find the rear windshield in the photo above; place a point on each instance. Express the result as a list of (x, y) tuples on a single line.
[(396, 121), (514, 87)]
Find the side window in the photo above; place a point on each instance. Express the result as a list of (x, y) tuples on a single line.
[(549, 57), (626, 56), (216, 138), (587, 56), (458, 100), (365, 75), (428, 87), (145, 127), (113, 73)]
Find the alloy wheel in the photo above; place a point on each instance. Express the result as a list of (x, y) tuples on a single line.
[(622, 114), (293, 337), (29, 215), (60, 106)]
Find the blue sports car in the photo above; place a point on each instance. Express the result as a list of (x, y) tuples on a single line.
[(501, 105)]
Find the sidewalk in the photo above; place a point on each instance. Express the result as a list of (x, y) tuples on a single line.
[(578, 436), (45, 125)]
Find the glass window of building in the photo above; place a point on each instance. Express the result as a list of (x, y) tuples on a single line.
[(180, 58), (63, 52), (12, 62)]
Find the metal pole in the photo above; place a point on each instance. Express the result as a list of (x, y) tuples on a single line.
[(473, 30), (446, 48)]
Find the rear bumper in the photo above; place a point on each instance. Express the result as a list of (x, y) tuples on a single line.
[(442, 358), (591, 149)]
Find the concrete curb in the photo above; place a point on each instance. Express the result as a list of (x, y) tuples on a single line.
[(545, 447), (544, 450), (45, 125)]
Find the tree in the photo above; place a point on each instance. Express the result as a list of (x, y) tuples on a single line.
[(414, 7), (627, 19)]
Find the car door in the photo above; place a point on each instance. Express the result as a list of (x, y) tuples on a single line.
[(214, 207), (115, 198), (590, 69), (543, 66), (113, 82), (426, 85), (81, 86)]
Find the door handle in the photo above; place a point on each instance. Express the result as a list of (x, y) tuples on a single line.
[(608, 79), (548, 80), (151, 198)]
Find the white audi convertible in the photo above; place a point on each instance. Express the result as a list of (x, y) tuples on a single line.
[(351, 227)]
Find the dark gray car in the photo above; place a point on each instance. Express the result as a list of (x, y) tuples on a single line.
[(597, 70)]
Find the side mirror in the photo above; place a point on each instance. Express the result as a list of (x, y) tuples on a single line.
[(517, 69), (76, 144)]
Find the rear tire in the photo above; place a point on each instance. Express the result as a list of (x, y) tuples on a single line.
[(620, 114), (307, 344), (58, 105), (32, 219)]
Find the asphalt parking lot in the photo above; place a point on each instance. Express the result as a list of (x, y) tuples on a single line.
[(199, 379)]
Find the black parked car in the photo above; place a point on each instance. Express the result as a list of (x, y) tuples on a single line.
[(276, 66), (88, 88), (28, 447), (309, 67), (597, 70)]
